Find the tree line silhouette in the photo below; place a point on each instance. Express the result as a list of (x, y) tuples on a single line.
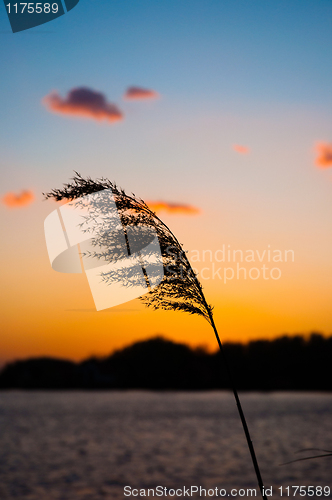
[(285, 363)]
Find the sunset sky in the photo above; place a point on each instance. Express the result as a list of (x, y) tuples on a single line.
[(218, 112)]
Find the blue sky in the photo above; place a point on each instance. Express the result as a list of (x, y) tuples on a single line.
[(207, 59)]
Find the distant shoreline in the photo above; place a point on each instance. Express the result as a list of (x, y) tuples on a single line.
[(296, 364)]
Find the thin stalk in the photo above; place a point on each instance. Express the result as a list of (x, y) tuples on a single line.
[(228, 370), (239, 407)]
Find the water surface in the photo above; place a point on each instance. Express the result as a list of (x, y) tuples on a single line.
[(89, 445)]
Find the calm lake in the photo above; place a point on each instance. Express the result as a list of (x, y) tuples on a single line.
[(90, 445)]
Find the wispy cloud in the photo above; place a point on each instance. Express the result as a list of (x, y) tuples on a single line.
[(173, 208), (324, 155), (243, 150), (22, 199), (137, 93), (85, 103)]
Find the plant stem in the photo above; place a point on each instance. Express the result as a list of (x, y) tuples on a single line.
[(239, 407), (209, 317)]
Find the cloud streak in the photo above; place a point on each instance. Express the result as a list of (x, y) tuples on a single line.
[(22, 199), (324, 155), (243, 150), (139, 94), (173, 208), (84, 103)]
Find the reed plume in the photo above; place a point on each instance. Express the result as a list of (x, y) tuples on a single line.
[(180, 289)]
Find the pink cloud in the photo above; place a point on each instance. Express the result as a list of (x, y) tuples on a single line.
[(243, 150), (173, 208), (85, 103), (137, 93), (22, 199), (324, 155)]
